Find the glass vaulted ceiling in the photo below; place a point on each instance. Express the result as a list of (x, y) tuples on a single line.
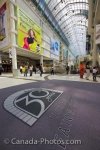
[(72, 17)]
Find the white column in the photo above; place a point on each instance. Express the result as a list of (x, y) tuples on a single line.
[(14, 59), (13, 41), (94, 54), (41, 60)]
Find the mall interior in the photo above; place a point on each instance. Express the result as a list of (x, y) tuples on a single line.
[(50, 74)]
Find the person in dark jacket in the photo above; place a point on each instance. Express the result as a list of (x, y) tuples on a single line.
[(1, 69), (67, 69), (34, 69), (41, 70), (52, 71)]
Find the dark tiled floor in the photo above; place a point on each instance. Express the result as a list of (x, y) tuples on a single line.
[(74, 115)]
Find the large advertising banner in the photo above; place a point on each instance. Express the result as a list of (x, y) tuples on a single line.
[(98, 34), (55, 47), (3, 26), (29, 33)]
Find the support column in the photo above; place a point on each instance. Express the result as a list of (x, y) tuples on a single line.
[(13, 42), (14, 62), (94, 55), (0, 58)]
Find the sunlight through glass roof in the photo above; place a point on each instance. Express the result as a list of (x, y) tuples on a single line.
[(72, 17)]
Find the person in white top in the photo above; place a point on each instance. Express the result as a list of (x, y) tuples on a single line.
[(94, 73), (21, 69), (87, 71)]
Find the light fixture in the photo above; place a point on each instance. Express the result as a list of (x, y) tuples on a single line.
[(62, 1)]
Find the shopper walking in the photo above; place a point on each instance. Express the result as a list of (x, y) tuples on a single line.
[(41, 70), (21, 69), (1, 69), (82, 70), (94, 73), (26, 71), (31, 70), (87, 71), (34, 69), (67, 69), (52, 71)]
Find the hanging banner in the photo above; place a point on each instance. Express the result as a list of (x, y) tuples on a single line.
[(55, 47), (98, 34), (29, 33), (2, 22), (4, 40)]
